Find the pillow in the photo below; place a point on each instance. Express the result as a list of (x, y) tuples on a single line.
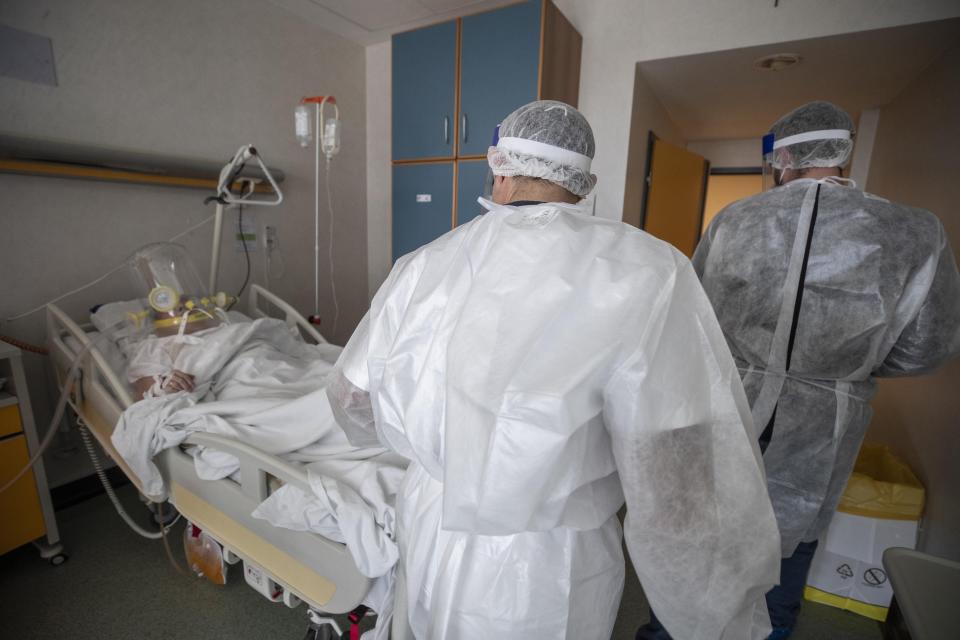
[(113, 319)]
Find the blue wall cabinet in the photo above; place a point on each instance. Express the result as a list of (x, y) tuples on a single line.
[(424, 92), (471, 180), (452, 83), (422, 204), (499, 64)]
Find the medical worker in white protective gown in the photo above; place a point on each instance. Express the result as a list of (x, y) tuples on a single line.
[(819, 288), (538, 366)]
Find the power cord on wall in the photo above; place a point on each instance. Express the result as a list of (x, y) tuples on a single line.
[(246, 254)]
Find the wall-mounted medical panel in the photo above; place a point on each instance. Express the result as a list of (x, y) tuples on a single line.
[(424, 92), (422, 204)]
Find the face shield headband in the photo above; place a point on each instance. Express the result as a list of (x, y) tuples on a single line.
[(545, 151), (773, 168)]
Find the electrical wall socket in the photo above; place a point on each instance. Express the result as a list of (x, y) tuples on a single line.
[(269, 237)]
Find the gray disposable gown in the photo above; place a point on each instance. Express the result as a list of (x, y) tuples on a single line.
[(880, 296)]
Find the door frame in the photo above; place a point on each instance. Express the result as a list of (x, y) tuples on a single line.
[(651, 139)]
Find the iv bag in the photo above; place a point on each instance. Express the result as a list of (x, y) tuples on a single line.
[(301, 118), (330, 143)]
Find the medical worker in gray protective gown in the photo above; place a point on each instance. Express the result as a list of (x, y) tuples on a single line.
[(539, 366), (819, 288)]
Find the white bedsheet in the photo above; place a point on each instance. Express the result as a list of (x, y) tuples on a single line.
[(352, 502), (255, 382), (261, 385)]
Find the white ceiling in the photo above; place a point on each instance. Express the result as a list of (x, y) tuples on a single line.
[(370, 21), (721, 96)]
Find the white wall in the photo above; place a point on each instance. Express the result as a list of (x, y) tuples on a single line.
[(915, 162), (743, 152), (647, 114), (859, 170), (379, 168), (619, 33), (195, 79)]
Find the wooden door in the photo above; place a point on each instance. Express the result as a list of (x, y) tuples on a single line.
[(471, 182), (676, 188), (422, 204), (424, 92), (499, 66)]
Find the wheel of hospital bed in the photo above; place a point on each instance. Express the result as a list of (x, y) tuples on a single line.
[(322, 633)]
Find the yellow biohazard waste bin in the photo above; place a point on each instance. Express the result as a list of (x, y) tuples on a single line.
[(880, 508)]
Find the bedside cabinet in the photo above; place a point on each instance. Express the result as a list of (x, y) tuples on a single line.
[(26, 510)]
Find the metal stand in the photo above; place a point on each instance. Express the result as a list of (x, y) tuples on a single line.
[(229, 175), (322, 628), (53, 553)]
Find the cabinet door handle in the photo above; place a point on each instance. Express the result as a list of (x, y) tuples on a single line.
[(463, 122), (446, 130)]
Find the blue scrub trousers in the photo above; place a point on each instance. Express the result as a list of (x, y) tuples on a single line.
[(783, 601)]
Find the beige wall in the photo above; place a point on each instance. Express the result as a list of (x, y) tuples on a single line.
[(724, 189), (379, 168), (194, 79), (915, 162), (646, 115), (734, 153)]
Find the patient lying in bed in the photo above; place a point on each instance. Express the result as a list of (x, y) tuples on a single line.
[(255, 382), (259, 383)]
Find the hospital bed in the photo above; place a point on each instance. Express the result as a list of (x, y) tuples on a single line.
[(303, 566)]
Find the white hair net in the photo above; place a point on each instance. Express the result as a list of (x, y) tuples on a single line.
[(546, 139), (829, 150)]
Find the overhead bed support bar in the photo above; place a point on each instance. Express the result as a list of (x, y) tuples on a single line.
[(229, 175)]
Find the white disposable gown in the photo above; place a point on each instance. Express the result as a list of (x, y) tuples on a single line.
[(538, 366), (820, 287)]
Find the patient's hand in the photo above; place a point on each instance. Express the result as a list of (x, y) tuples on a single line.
[(176, 381)]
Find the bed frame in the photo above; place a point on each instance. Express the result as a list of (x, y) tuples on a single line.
[(309, 567)]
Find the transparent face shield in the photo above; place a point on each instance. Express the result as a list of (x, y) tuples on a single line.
[(175, 297), (488, 181), (772, 176)]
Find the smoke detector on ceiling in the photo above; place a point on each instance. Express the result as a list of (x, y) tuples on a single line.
[(776, 61)]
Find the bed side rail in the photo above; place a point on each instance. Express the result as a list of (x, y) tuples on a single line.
[(332, 561), (314, 569), (95, 373), (260, 297), (255, 465)]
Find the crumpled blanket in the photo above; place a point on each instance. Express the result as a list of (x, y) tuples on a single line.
[(260, 384), (352, 502)]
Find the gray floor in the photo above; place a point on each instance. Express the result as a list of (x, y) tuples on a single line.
[(118, 585)]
